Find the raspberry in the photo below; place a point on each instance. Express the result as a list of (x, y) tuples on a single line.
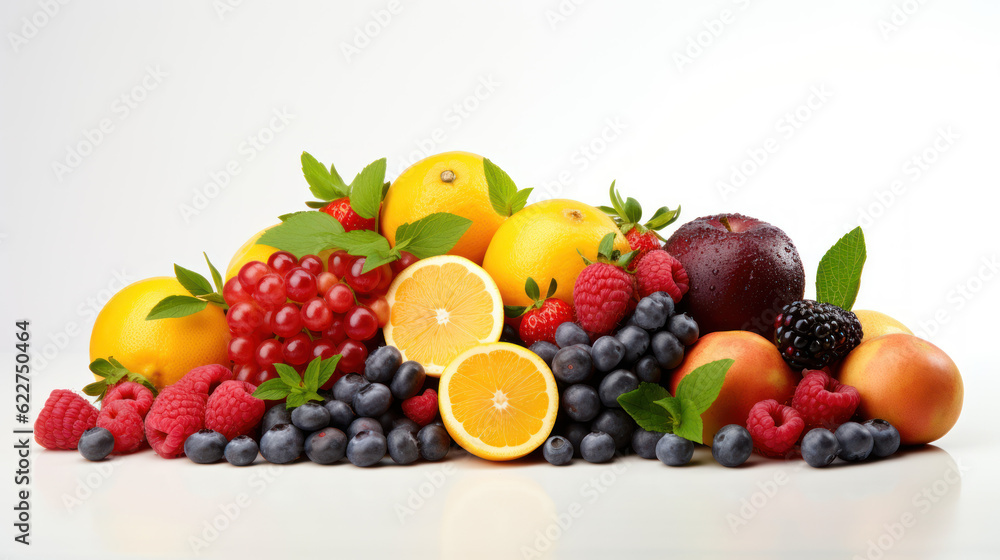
[(123, 420), (177, 413), (232, 411), (603, 295), (423, 408), (63, 420), (659, 271), (774, 428), (823, 402), (132, 393), (204, 379)]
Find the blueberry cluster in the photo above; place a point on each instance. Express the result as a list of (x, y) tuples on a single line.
[(851, 442), (360, 419), (593, 374)]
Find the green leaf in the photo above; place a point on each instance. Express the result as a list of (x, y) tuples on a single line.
[(96, 389), (519, 199), (112, 371), (295, 399), (272, 390), (311, 376), (616, 202), (337, 181), (663, 217), (321, 182), (193, 282), (690, 426), (303, 233), (513, 311), (701, 387), (625, 259), (366, 189), (327, 368), (553, 286), (213, 298), (172, 307), (216, 277), (288, 375), (673, 407), (361, 242), (640, 404), (531, 289), (501, 188), (317, 204), (609, 211), (607, 245), (377, 259), (102, 367), (432, 235), (633, 211), (838, 278), (141, 380)]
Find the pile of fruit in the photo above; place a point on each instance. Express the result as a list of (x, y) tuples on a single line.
[(404, 319)]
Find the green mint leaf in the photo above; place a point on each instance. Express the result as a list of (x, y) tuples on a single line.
[(641, 405), (96, 389), (663, 217), (607, 245), (701, 387), (531, 289), (432, 235), (838, 278), (321, 182), (193, 282), (673, 407), (295, 399), (311, 376), (303, 233), (172, 307), (366, 189), (361, 242), (288, 375), (216, 277), (337, 181), (690, 426), (633, 211), (501, 188), (272, 390), (327, 368), (513, 311), (378, 258), (214, 298), (519, 199)]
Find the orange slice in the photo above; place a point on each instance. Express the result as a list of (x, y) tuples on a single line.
[(441, 307), (498, 401)]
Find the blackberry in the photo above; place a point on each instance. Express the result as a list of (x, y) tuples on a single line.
[(813, 335)]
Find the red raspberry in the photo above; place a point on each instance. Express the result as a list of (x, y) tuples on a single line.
[(342, 211), (132, 393), (602, 296), (823, 401), (659, 271), (63, 419), (204, 379), (774, 427), (177, 413), (422, 409), (232, 411), (122, 419)]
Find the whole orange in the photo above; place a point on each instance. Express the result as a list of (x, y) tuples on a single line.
[(247, 252)]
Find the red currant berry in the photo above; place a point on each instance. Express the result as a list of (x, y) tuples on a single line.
[(247, 372), (251, 273), (282, 262), (381, 309), (244, 318), (233, 292), (270, 291), (360, 323), (297, 349), (300, 284), (323, 348), (324, 281), (352, 356), (386, 280), (338, 263), (269, 352), (312, 263), (336, 332), (241, 349), (286, 320), (316, 315), (405, 260), (339, 297), (362, 282)]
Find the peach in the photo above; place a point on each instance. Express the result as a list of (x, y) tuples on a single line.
[(908, 382), (758, 374)]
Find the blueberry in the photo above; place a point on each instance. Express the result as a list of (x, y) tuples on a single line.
[(650, 314), (341, 414), (275, 415), (362, 424), (405, 424), (282, 444), (326, 446), (647, 369), (545, 350), (684, 328), (205, 446), (241, 451), (509, 334), (856, 442), (569, 333), (96, 443), (819, 447), (644, 443), (366, 448), (575, 432), (373, 400), (607, 353), (586, 348), (885, 435), (310, 417), (597, 447), (403, 446), (572, 365), (732, 445), (616, 423), (434, 442), (580, 402), (382, 364), (347, 386), (408, 381), (388, 420), (665, 300), (616, 384), (673, 450), (557, 450), (668, 350), (636, 342)]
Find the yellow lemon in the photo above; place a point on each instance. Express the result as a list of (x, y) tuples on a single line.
[(165, 349), (249, 251), (452, 182), (875, 324), (499, 401), (541, 241)]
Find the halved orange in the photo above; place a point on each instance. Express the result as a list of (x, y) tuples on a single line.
[(440, 307), (498, 401)]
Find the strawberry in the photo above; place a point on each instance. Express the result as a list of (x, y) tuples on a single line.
[(659, 271), (341, 210), (335, 195), (641, 237), (604, 292), (539, 320)]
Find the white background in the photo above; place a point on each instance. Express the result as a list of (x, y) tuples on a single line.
[(669, 98)]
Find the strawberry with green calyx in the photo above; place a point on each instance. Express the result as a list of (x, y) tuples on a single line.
[(201, 292), (539, 320), (112, 372), (627, 214), (605, 292), (355, 206), (296, 389)]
